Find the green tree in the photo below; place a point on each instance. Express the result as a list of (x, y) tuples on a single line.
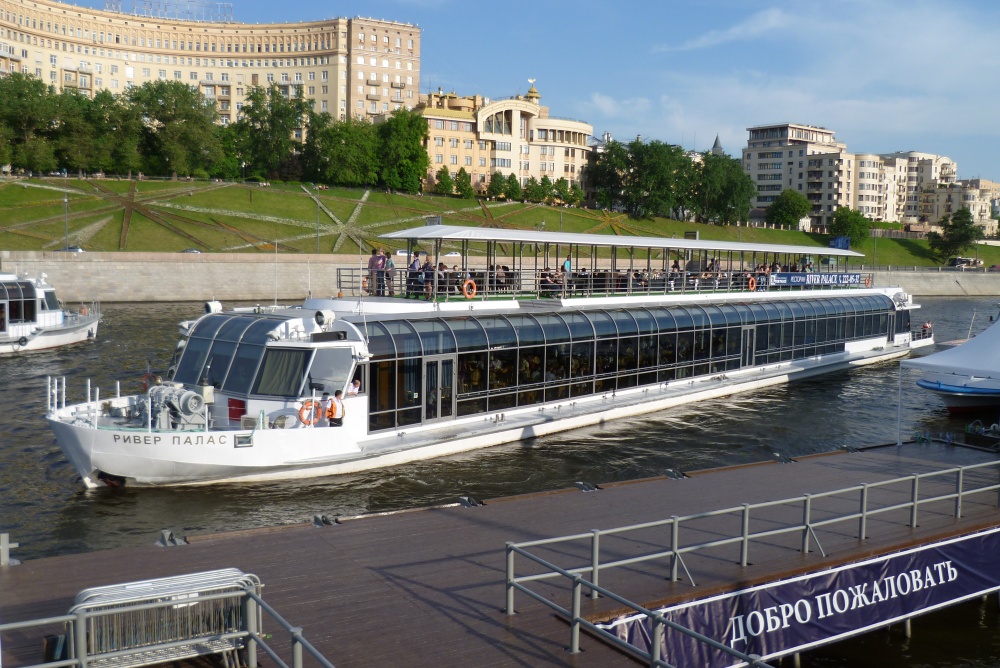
[(852, 224), (444, 184), (788, 208), (534, 191), (498, 184), (575, 195), (75, 131), (723, 192), (228, 166), (341, 152), (463, 184), (608, 171), (28, 112), (642, 179), (561, 189), (512, 189), (545, 188), (178, 135), (267, 130), (118, 129), (960, 233), (402, 156)]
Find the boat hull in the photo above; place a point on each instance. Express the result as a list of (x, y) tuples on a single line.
[(144, 457), (84, 329), (971, 396)]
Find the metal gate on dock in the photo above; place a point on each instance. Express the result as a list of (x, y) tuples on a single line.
[(168, 619)]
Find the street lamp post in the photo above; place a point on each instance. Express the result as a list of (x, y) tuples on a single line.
[(66, 217), (317, 227)]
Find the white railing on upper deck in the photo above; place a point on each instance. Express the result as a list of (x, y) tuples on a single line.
[(486, 283)]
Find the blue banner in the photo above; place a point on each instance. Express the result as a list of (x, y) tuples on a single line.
[(802, 278), (793, 615)]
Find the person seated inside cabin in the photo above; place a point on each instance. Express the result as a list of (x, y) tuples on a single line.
[(354, 388), (501, 277), (545, 282)]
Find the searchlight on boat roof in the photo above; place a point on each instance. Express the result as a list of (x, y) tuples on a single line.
[(325, 317), (213, 306)]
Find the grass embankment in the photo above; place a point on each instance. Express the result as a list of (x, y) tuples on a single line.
[(112, 215)]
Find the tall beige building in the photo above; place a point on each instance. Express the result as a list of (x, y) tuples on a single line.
[(360, 66), (806, 158), (512, 136)]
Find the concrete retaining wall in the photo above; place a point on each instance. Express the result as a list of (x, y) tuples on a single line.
[(150, 277)]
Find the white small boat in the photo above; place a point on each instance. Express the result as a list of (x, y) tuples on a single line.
[(32, 317), (967, 376), (444, 362)]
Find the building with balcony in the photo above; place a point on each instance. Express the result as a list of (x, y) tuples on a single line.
[(346, 66), (805, 158), (906, 186), (512, 136)]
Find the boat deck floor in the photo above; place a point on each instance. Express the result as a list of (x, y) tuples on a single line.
[(426, 587)]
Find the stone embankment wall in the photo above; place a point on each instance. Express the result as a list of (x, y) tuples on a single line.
[(149, 277)]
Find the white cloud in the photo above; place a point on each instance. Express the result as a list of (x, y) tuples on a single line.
[(883, 75), (609, 107), (760, 23)]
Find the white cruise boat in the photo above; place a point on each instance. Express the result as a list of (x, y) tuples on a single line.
[(450, 360), (32, 317)]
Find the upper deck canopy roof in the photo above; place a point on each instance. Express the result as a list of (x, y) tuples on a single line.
[(485, 234)]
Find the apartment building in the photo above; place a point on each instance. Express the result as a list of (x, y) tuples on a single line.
[(516, 136), (907, 187), (346, 66), (805, 158)]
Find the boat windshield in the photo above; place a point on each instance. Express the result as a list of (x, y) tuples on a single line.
[(51, 302), (330, 370)]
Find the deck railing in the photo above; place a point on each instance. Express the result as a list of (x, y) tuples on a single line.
[(174, 627), (961, 480), (490, 283)]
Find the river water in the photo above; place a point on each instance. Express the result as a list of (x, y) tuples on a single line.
[(45, 509)]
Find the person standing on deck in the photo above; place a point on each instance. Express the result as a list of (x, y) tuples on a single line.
[(337, 410), (380, 273), (413, 277), (325, 410), (372, 270), (390, 274)]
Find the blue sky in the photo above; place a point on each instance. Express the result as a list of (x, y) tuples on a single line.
[(885, 75)]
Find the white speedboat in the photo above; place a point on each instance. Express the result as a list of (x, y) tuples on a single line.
[(472, 357), (966, 376), (32, 317)]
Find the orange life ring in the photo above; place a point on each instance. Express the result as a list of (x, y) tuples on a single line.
[(364, 284), (752, 284), (308, 412), (868, 281), (469, 288)]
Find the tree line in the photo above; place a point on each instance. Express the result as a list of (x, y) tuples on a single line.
[(166, 128), (646, 179)]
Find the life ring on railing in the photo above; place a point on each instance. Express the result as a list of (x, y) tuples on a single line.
[(307, 414), (752, 284), (868, 281), (148, 380), (469, 288), (364, 284), (84, 310)]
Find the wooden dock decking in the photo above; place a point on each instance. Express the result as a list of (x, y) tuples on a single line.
[(426, 587)]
